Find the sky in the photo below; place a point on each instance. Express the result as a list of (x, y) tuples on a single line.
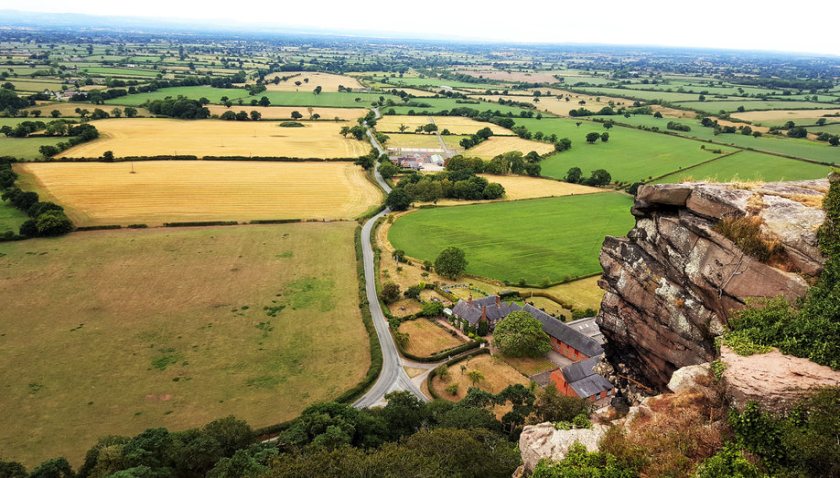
[(809, 27)]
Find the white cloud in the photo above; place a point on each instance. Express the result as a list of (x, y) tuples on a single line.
[(807, 27)]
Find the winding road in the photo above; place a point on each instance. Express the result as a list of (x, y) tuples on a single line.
[(392, 377)]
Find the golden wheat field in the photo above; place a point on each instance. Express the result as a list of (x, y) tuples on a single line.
[(496, 145), (285, 112), (560, 106), (158, 136), (455, 124), (780, 116), (327, 81), (174, 191)]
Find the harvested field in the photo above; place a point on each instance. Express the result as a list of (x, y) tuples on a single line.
[(426, 339), (778, 117), (431, 141), (156, 136), (559, 106), (496, 145), (414, 92), (327, 81), (497, 375), (173, 328), (524, 187), (455, 124), (285, 112), (69, 109), (514, 76), (172, 191)]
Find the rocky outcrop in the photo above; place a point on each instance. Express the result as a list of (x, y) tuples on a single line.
[(672, 284), (544, 441), (773, 380), (689, 377)]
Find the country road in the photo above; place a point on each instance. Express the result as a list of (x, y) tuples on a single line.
[(393, 376)]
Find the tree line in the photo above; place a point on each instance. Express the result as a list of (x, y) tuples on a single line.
[(45, 218)]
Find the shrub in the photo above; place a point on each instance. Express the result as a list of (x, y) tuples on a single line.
[(452, 389), (390, 293), (290, 124), (413, 292), (746, 233)]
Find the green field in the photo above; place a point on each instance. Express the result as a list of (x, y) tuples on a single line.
[(732, 105), (438, 82), (538, 240), (798, 148), (630, 155), (106, 71), (113, 332), (277, 98), (750, 166), (26, 148), (438, 105), (638, 94), (10, 218)]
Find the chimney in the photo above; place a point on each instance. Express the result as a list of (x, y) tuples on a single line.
[(498, 300), (483, 312), (469, 299)]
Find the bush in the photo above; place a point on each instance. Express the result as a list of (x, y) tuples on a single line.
[(746, 233), (390, 293), (291, 124), (581, 463)]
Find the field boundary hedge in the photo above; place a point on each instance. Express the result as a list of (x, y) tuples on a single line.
[(449, 363)]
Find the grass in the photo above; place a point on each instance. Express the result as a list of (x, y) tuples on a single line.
[(179, 331), (496, 145), (26, 148), (799, 148), (529, 366), (285, 112), (630, 155), (525, 187), (10, 218), (277, 98), (581, 294), (430, 141), (497, 375), (455, 124), (171, 191), (120, 72), (538, 240), (161, 136), (731, 105), (750, 166), (426, 338), (327, 81), (437, 105)]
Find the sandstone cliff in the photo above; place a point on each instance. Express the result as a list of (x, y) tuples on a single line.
[(673, 282)]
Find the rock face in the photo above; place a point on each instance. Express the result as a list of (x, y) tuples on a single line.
[(774, 380), (672, 284), (544, 441)]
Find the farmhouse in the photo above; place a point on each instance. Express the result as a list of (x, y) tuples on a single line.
[(580, 380), (565, 340), (490, 308)]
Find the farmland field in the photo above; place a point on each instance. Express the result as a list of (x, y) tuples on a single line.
[(157, 136), (714, 107), (438, 105), (778, 117), (25, 148), (750, 166), (538, 240), (455, 124), (524, 187), (630, 154), (285, 112), (554, 105), (398, 140), (172, 191), (327, 81), (189, 325), (277, 98), (10, 218), (496, 145)]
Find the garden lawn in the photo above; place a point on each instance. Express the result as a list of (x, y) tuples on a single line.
[(540, 241), (630, 155)]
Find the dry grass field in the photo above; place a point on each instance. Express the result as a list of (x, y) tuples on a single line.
[(455, 124), (415, 92), (327, 81), (558, 106), (285, 112), (497, 375), (156, 136), (777, 117), (426, 339), (171, 191), (514, 76), (496, 145), (430, 141), (69, 109), (113, 332), (524, 187)]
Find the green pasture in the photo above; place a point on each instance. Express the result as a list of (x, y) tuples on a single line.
[(10, 218), (277, 98), (438, 105), (732, 105), (540, 241), (750, 166)]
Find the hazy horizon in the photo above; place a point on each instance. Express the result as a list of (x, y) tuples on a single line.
[(725, 26)]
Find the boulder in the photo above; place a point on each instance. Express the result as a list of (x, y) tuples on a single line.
[(673, 282), (686, 378), (773, 380), (544, 441)]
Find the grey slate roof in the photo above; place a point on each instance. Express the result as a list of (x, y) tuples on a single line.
[(562, 332), (471, 311), (588, 327), (583, 379)]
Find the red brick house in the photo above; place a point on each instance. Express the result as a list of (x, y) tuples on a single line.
[(580, 380), (566, 340)]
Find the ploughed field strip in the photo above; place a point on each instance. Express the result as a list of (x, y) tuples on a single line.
[(177, 191)]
